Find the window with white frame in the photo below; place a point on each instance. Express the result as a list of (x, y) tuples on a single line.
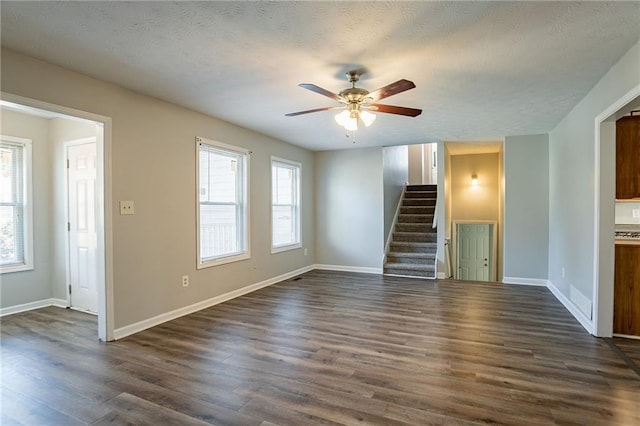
[(285, 205), (222, 203), (16, 247)]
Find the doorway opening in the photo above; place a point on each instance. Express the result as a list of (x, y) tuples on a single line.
[(423, 164), (73, 207), (601, 323), (474, 209)]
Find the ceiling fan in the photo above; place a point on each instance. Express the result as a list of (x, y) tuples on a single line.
[(357, 103)]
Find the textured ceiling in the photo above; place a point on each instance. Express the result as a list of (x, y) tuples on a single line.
[(483, 70)]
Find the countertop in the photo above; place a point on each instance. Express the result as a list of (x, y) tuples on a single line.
[(628, 241)]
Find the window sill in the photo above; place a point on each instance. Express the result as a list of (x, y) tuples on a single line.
[(223, 260), (15, 268), (289, 247)]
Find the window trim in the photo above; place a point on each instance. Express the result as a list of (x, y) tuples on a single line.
[(298, 197), (246, 254), (27, 171)]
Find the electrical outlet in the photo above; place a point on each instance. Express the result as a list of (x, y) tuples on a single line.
[(635, 213), (185, 281), (126, 207), (305, 252), (562, 272)]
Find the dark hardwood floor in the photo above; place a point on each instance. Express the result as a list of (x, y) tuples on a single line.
[(325, 348)]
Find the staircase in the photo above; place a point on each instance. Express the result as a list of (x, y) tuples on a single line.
[(412, 251)]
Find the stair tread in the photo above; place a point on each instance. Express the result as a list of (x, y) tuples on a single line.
[(410, 266), (414, 244), (401, 233), (412, 251), (410, 254)]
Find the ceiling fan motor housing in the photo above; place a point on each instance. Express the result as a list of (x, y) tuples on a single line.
[(355, 95)]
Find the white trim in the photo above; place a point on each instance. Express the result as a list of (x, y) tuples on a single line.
[(441, 276), (600, 325), (343, 268), (10, 310), (573, 309), (130, 329), (105, 238), (393, 225), (298, 203), (525, 281), (246, 183), (27, 203)]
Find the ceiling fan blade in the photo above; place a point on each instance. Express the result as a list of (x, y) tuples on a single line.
[(321, 91), (293, 114), (391, 89), (390, 109)]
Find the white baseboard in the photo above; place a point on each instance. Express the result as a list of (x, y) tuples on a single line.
[(441, 276), (130, 329), (572, 308), (61, 303), (526, 281), (581, 301), (342, 268)]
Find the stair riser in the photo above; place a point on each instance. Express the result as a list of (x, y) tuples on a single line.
[(417, 210), (418, 238), (426, 219), (421, 202), (421, 194), (422, 188), (414, 227), (400, 248), (412, 260), (410, 273)]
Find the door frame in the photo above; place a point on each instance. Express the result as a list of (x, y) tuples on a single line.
[(104, 215), (67, 215), (601, 323), (493, 225)]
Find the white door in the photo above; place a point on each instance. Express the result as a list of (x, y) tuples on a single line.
[(474, 254), (82, 207)]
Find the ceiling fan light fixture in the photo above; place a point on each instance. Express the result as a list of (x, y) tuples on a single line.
[(351, 124), (367, 118), (356, 103), (342, 117), (347, 119)]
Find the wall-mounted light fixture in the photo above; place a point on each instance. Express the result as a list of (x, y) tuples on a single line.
[(474, 180)]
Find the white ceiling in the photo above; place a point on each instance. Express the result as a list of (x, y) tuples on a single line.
[(483, 70)]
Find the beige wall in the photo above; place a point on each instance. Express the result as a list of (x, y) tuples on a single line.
[(480, 202), (153, 156), (416, 159), (526, 219), (350, 208)]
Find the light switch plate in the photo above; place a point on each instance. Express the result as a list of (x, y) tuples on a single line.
[(126, 207), (635, 213)]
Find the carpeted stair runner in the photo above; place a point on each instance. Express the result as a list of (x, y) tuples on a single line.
[(412, 251)]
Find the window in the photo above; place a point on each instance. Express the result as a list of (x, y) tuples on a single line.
[(222, 203), (16, 252), (285, 205)]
